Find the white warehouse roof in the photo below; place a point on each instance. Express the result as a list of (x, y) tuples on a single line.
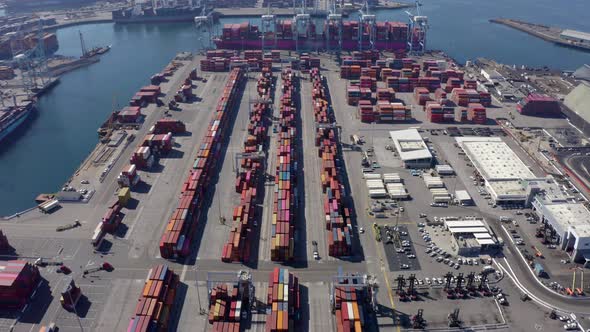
[(485, 241), (482, 235), (462, 195), (409, 144), (575, 34), (571, 216), (468, 230), (495, 160), (464, 223)]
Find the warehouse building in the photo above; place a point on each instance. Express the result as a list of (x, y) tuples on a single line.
[(470, 236), (577, 107), (411, 148), (506, 176), (576, 36), (492, 75), (463, 198), (569, 221)]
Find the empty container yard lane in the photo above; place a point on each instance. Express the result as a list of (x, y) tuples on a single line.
[(181, 228), (251, 175)]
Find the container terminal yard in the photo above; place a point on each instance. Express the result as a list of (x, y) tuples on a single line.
[(367, 190)]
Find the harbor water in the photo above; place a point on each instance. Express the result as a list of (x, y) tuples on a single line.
[(46, 151)]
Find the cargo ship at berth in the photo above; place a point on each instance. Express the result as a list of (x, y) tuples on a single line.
[(388, 36), (181, 11), (12, 117)]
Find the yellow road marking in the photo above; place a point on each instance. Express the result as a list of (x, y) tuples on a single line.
[(387, 284)]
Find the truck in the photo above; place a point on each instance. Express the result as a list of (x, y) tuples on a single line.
[(164, 126), (48, 206), (539, 271), (128, 177)]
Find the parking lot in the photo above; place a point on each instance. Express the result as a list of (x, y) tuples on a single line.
[(399, 248)]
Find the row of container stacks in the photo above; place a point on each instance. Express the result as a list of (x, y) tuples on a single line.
[(306, 62), (108, 223), (167, 125), (436, 112), (462, 97), (225, 307), (228, 304), (153, 309), (147, 94), (283, 301), (337, 215), (391, 31), (222, 60), (181, 226), (350, 311), (250, 177), (283, 218), (231, 3), (164, 76), (129, 115), (21, 279)]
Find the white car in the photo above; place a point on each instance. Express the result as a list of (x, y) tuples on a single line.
[(404, 266), (316, 255), (428, 281)]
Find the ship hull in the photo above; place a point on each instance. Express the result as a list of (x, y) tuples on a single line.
[(15, 125), (348, 45), (170, 15)]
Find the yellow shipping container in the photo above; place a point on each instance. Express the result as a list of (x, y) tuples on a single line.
[(124, 195), (280, 295), (279, 320), (275, 306), (357, 327), (355, 310)]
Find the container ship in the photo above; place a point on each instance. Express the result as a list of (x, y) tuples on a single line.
[(182, 11), (12, 117), (388, 36)]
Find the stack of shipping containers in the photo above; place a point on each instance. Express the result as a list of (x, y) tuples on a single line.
[(19, 280), (181, 226), (283, 217), (476, 113), (153, 309), (283, 301), (337, 215), (251, 176), (462, 97), (350, 311), (225, 307)]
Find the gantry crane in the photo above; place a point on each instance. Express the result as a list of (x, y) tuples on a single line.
[(367, 22), (417, 28)]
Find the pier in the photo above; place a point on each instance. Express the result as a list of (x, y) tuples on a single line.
[(545, 32)]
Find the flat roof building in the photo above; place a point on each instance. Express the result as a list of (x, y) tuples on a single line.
[(470, 236), (463, 198), (506, 176), (576, 36), (411, 148), (570, 223)]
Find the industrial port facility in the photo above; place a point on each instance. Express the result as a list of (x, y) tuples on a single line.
[(288, 180)]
